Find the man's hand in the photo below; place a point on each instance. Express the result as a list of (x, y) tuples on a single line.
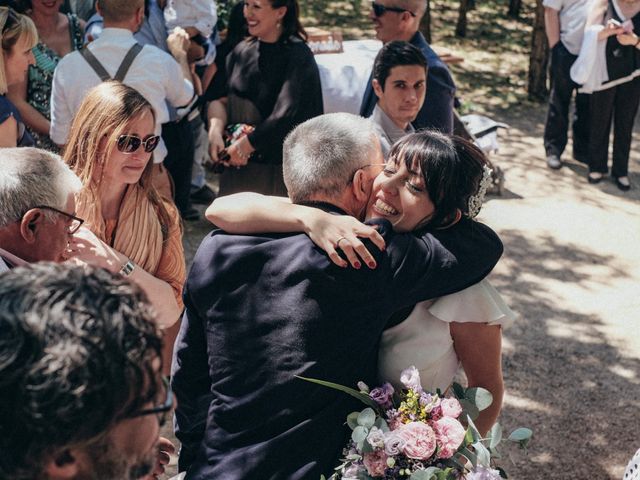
[(165, 450), (178, 43), (627, 39), (216, 144)]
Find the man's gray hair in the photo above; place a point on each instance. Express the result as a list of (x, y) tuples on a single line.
[(321, 155), (31, 177)]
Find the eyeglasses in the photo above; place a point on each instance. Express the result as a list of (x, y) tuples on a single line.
[(131, 143), (362, 168), (160, 410), (76, 222), (379, 10)]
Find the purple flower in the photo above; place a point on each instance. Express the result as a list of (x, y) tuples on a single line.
[(483, 473), (393, 443), (376, 437), (383, 395), (410, 378)]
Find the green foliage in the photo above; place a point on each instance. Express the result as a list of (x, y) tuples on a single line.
[(350, 391)]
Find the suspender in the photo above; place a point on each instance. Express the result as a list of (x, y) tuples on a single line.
[(122, 69)]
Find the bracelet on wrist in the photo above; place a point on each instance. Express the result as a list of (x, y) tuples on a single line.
[(127, 269)]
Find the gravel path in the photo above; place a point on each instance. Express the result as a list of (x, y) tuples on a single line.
[(571, 270)]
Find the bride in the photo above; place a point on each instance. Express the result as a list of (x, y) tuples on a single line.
[(429, 182)]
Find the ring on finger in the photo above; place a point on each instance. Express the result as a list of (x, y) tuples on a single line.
[(339, 240)]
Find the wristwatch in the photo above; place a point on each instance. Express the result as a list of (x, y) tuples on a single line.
[(127, 269)]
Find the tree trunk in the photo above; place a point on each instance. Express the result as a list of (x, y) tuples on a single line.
[(514, 8), (425, 23), (537, 87), (461, 26)]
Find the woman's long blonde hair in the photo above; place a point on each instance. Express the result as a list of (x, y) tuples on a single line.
[(103, 116), (13, 27)]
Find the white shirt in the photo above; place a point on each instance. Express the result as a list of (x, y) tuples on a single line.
[(388, 132), (200, 14), (154, 73), (573, 16)]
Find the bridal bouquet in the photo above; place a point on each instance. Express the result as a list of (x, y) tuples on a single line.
[(417, 435)]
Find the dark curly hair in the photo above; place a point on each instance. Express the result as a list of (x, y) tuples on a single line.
[(452, 168), (79, 351)]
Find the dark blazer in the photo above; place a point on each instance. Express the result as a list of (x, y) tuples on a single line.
[(262, 309), (437, 110)]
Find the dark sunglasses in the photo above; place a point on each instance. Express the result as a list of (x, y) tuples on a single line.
[(160, 410), (379, 10), (75, 222), (131, 143)]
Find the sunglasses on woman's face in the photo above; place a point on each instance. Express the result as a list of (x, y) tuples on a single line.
[(131, 143)]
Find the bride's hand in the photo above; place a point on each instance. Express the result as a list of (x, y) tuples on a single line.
[(342, 232)]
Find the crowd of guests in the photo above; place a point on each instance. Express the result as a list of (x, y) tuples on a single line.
[(595, 51), (126, 101)]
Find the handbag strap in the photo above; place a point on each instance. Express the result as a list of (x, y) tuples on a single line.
[(122, 69)]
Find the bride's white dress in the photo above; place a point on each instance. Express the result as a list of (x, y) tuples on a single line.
[(424, 339)]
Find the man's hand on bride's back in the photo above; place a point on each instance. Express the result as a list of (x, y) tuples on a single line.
[(339, 236)]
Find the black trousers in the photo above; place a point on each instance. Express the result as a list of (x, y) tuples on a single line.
[(620, 104), (557, 125), (179, 160)]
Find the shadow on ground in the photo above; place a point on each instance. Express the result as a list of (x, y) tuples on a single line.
[(563, 378)]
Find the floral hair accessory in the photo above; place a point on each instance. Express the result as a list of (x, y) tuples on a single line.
[(475, 201)]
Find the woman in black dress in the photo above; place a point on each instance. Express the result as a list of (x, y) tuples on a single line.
[(272, 83)]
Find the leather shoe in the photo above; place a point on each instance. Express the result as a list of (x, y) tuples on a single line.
[(626, 186), (190, 214), (203, 196), (594, 177), (554, 162)]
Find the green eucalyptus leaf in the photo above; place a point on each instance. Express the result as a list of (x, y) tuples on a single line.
[(495, 435), (382, 424), (521, 435), (352, 420), (363, 397), (484, 457), (472, 457), (367, 418), (359, 435), (458, 390), (475, 434), (480, 397), (366, 447), (458, 461), (469, 409)]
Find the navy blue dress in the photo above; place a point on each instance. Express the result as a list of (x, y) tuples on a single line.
[(8, 109)]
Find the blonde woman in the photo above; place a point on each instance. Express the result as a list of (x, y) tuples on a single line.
[(18, 35), (138, 231)]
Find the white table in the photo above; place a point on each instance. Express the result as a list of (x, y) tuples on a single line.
[(344, 76)]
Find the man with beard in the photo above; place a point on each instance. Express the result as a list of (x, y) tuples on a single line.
[(81, 391)]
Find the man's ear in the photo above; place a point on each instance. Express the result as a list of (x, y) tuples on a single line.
[(361, 186), (377, 88), (63, 465), (30, 224), (98, 9)]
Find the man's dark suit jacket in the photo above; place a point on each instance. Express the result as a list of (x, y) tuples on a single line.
[(262, 309), (437, 110)]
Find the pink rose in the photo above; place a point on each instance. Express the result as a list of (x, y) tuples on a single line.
[(449, 434), (450, 407), (420, 440), (375, 463)]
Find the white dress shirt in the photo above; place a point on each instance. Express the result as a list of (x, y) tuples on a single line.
[(388, 132), (154, 73), (572, 16)]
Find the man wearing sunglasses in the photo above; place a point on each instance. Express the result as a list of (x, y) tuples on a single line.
[(82, 395), (400, 20), (37, 217)]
